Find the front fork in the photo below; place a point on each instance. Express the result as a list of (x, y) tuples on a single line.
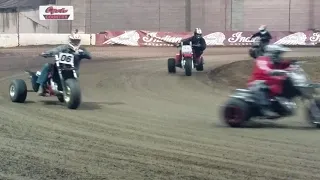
[(183, 63), (63, 84)]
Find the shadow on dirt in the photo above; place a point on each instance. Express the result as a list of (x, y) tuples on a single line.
[(96, 105), (196, 74), (271, 125), (29, 102), (274, 125), (83, 106)]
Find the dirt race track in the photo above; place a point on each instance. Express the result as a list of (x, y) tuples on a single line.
[(139, 122)]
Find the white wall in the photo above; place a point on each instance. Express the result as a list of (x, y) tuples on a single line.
[(32, 39)]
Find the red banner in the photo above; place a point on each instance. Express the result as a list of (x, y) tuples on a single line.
[(230, 38)]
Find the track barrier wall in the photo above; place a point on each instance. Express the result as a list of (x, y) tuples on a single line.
[(36, 39), (158, 39)]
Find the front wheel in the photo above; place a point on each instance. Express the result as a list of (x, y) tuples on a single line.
[(188, 67), (18, 91), (73, 94), (236, 112)]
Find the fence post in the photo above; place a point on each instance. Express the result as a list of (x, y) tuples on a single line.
[(225, 14), (289, 16), (90, 6), (159, 17), (18, 23), (311, 14), (231, 15), (188, 15)]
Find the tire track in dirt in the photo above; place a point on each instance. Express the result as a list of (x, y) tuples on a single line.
[(138, 122)]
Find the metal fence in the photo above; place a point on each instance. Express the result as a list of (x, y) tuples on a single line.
[(93, 16)]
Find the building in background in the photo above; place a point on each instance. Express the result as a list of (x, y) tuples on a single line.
[(93, 16), (23, 16)]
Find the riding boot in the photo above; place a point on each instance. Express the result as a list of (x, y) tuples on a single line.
[(288, 104), (268, 112), (40, 91), (266, 109)]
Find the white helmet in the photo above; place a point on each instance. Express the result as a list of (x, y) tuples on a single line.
[(263, 29), (197, 32), (275, 51), (74, 40)]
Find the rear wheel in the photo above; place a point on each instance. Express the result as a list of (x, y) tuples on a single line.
[(199, 67), (253, 53), (188, 67), (18, 91), (236, 112), (312, 113), (35, 85), (34, 78), (171, 65)]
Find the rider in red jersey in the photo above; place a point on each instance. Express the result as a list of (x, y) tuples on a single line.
[(262, 71)]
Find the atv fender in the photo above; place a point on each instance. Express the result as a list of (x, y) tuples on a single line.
[(243, 94)]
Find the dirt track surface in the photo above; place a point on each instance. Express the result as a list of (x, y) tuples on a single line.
[(139, 122)]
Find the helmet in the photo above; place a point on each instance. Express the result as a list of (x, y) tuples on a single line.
[(275, 51), (197, 33), (74, 40), (263, 29)]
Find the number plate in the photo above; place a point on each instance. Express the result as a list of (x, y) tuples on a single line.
[(66, 58), (186, 49)]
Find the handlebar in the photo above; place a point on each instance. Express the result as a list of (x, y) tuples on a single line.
[(193, 45), (45, 55), (278, 72)]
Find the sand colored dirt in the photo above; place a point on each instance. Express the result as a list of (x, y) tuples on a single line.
[(139, 122)]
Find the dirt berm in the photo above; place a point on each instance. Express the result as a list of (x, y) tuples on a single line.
[(236, 74)]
